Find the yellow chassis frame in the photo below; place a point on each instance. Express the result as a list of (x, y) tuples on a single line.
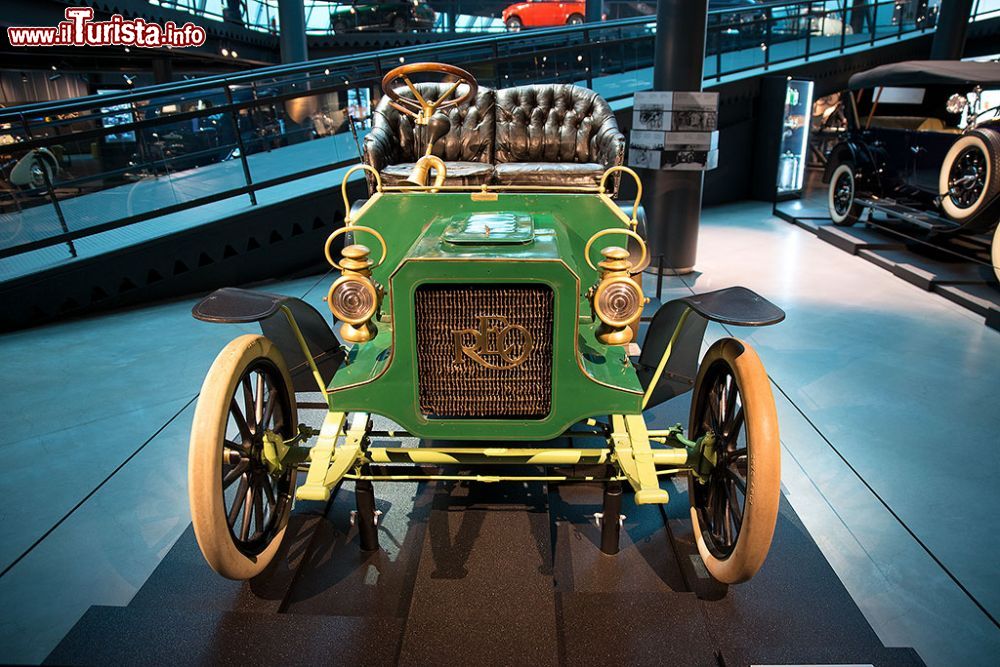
[(344, 451)]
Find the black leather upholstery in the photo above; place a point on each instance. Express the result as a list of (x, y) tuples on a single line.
[(545, 134), (393, 141), (550, 124)]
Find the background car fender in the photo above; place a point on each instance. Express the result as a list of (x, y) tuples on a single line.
[(842, 152), (866, 171), (21, 173)]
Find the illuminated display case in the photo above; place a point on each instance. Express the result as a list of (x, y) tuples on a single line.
[(783, 137)]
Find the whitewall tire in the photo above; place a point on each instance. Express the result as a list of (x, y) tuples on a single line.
[(840, 196), (996, 252), (969, 178)]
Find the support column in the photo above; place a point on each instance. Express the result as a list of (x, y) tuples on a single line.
[(292, 31), (232, 13), (674, 200), (163, 70), (594, 10), (949, 37)]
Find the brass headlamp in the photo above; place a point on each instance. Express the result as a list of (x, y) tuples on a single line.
[(355, 298), (617, 298)]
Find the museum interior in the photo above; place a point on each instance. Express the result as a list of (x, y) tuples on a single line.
[(501, 333)]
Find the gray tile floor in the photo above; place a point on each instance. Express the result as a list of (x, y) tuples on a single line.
[(884, 394)]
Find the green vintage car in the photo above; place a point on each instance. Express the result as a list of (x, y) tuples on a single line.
[(495, 323)]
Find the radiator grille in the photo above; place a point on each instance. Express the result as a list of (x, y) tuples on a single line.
[(484, 351)]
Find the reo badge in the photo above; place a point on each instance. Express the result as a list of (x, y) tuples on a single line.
[(496, 344)]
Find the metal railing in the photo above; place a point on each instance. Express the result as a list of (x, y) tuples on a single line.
[(985, 9), (473, 17), (76, 168)]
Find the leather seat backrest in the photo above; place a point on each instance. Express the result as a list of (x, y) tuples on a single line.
[(528, 114), (470, 138)]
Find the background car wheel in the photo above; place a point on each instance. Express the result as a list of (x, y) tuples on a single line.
[(843, 211), (398, 24), (996, 252), (574, 19), (340, 27), (735, 510), (970, 174), (239, 509), (38, 170), (514, 24)]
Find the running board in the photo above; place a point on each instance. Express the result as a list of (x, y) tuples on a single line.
[(923, 219)]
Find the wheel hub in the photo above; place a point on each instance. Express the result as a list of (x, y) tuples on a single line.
[(843, 194), (967, 178)]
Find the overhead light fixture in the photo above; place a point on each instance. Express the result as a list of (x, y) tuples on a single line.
[(55, 77), (128, 79), (225, 52), (235, 55)]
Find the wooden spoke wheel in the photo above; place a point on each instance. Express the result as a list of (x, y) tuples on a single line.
[(735, 509), (418, 107), (239, 508)]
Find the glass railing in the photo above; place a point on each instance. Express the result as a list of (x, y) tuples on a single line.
[(985, 9), (324, 17), (75, 168), (261, 15)]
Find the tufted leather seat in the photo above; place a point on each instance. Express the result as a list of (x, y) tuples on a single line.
[(557, 134), (545, 134), (392, 146)]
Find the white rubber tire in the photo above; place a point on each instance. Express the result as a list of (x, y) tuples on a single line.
[(852, 214), (208, 431), (995, 251), (763, 495), (947, 205)]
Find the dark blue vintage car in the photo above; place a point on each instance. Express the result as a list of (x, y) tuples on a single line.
[(922, 145)]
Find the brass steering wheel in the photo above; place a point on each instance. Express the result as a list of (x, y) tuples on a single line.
[(419, 108)]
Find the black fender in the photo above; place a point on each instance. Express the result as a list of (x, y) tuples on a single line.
[(844, 151), (736, 306), (863, 158), (231, 305)]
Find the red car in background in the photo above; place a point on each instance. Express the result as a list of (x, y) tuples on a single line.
[(542, 13)]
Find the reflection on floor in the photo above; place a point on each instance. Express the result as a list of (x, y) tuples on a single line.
[(958, 267), (883, 392)]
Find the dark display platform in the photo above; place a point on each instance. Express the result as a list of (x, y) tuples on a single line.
[(957, 268), (487, 574)]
